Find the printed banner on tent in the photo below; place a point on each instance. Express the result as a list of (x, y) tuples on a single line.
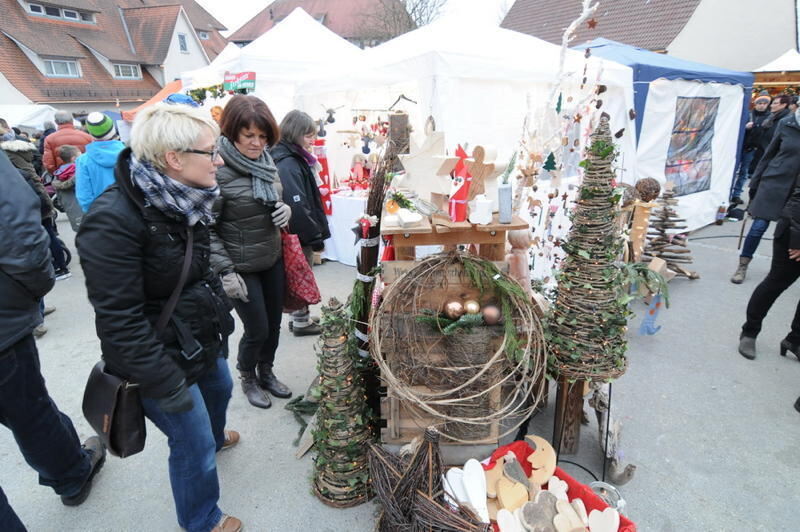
[(235, 81), (689, 157)]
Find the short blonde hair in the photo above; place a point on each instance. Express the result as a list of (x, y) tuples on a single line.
[(163, 127)]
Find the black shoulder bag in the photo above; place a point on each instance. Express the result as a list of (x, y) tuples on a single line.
[(112, 405)]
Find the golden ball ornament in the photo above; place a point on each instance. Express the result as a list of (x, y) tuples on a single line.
[(472, 307), (491, 315), (453, 309)]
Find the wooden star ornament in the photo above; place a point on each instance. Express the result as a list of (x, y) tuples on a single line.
[(592, 23)]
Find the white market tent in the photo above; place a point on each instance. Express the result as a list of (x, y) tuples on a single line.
[(31, 116), (788, 62), (293, 51), (477, 81)]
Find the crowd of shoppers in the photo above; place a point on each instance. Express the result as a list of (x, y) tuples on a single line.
[(180, 209)]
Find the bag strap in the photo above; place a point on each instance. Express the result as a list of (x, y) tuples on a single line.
[(169, 308)]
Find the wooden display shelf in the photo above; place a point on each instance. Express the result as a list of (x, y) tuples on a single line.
[(490, 238)]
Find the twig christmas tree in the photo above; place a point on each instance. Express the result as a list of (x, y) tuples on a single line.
[(341, 475), (586, 326), (664, 239)]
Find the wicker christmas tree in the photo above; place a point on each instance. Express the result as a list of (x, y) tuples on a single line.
[(342, 436), (586, 325), (664, 239)]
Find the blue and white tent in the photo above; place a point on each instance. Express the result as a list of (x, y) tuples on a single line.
[(690, 121)]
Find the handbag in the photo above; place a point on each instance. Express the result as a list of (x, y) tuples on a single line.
[(112, 405), (300, 288)]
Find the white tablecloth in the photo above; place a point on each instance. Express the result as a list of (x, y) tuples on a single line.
[(341, 245)]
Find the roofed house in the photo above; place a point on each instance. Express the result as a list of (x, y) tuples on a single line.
[(734, 34), (362, 22), (86, 55)]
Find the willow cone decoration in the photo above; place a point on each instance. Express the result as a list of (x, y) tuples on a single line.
[(664, 239), (342, 436), (586, 326)]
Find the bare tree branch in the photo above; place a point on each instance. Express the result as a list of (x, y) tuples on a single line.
[(390, 18)]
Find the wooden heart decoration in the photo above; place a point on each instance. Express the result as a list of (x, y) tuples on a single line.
[(511, 495), (474, 482), (538, 515), (508, 522), (580, 509), (567, 519), (605, 521), (558, 488), (455, 483), (492, 476), (513, 470)]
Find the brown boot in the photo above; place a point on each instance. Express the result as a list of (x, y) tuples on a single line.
[(228, 523), (255, 395), (741, 271)]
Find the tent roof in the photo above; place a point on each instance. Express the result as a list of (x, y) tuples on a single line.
[(465, 49), (170, 88), (293, 50), (648, 66), (28, 115), (788, 62)]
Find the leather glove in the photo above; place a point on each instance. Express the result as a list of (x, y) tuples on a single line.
[(179, 400), (234, 286), (281, 214), (318, 246)]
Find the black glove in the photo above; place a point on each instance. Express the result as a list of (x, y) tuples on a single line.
[(752, 193), (179, 400), (318, 246)]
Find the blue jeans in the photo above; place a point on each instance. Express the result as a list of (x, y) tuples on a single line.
[(194, 437), (742, 173), (753, 237), (45, 435)]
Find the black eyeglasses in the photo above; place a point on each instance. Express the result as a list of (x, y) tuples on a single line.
[(213, 153)]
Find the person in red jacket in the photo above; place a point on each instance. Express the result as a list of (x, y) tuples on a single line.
[(66, 134)]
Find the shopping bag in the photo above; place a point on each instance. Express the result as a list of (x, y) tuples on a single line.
[(300, 286)]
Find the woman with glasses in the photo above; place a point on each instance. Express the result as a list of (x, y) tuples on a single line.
[(246, 241), (133, 244)]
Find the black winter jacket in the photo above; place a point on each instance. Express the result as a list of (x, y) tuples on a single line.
[(790, 218), (132, 255), (775, 174), (243, 237), (769, 127), (753, 136), (26, 269), (301, 193)]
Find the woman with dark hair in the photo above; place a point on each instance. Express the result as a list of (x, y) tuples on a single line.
[(134, 246), (246, 243), (299, 173)]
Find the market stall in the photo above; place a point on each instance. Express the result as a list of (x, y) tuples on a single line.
[(31, 116), (690, 125)]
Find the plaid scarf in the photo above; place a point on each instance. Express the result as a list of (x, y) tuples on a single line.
[(172, 197)]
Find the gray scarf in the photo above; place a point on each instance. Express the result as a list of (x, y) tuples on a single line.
[(262, 170)]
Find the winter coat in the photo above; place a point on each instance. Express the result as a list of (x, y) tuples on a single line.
[(753, 136), (769, 126), (64, 184), (776, 172), (26, 267), (21, 153), (94, 170), (790, 218), (66, 134), (46, 133), (132, 257), (301, 193), (243, 237)]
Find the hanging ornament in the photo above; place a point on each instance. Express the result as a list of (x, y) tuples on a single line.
[(453, 309), (472, 307), (592, 23), (365, 149), (330, 118), (321, 133)]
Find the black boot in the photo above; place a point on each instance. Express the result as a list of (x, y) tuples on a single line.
[(793, 349), (797, 404), (270, 382), (253, 391), (747, 347)]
